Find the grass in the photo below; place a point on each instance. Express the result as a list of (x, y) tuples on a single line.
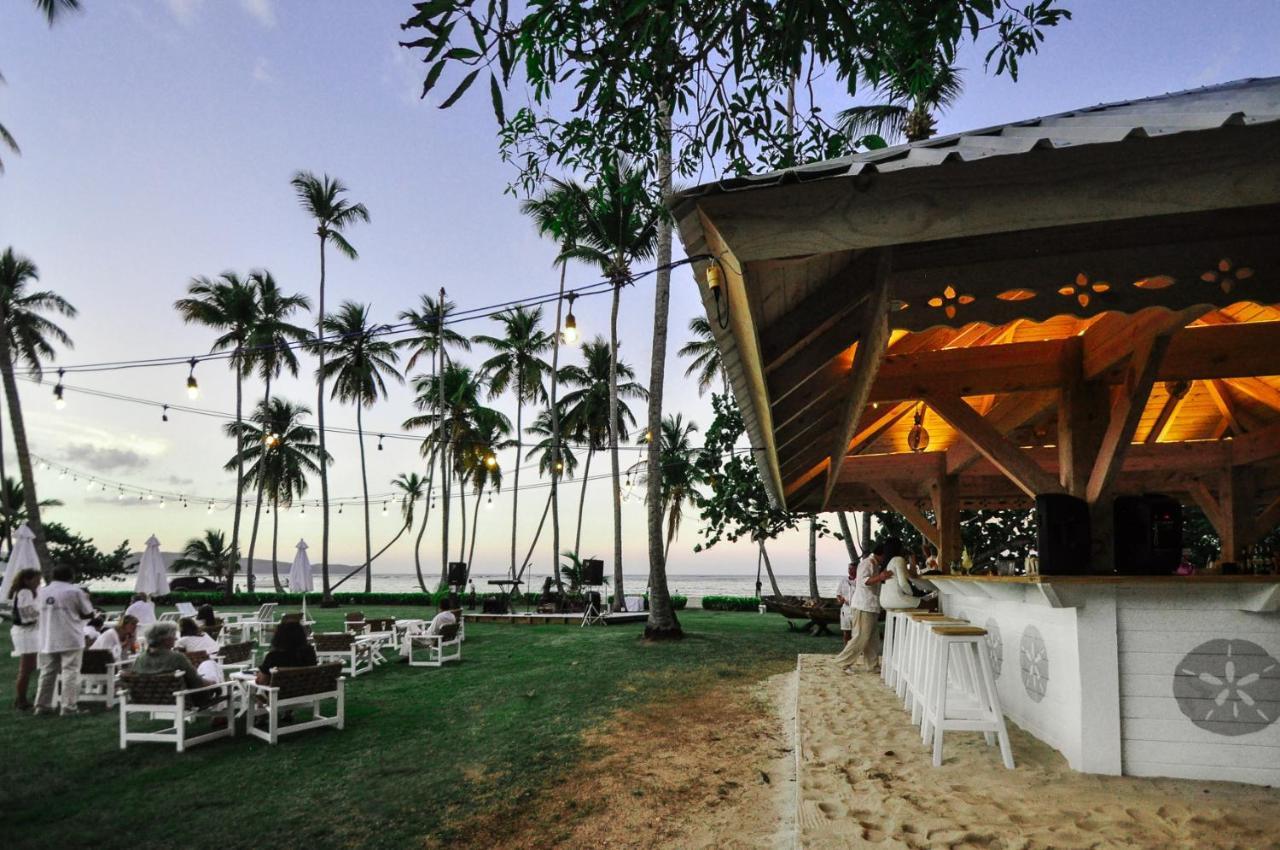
[(422, 749)]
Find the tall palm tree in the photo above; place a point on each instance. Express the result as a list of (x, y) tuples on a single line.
[(363, 361), (411, 487), (517, 364), (616, 226), (904, 113), (706, 364), (211, 555), (13, 508), (680, 473), (280, 452), (272, 341), (587, 407), (489, 434), (447, 425), (560, 460), (228, 304), (27, 337), (433, 338), (324, 199), (52, 11)]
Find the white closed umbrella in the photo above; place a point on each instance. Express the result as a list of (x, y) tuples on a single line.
[(22, 557), (153, 579), (300, 580)]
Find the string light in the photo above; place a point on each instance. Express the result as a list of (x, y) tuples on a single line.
[(58, 401), (381, 437), (918, 437), (164, 414), (491, 460), (120, 496), (489, 504), (384, 508), (570, 332), (193, 388)]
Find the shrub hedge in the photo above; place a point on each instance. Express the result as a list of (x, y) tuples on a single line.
[(121, 598), (730, 603)]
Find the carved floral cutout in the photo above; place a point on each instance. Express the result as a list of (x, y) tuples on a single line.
[(949, 301), (1082, 288), (1017, 295), (1226, 275), (897, 305), (1160, 281)]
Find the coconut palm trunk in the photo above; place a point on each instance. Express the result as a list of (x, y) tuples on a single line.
[(275, 539), (257, 501), (462, 509), (813, 558), (515, 490), (582, 502), (426, 512), (768, 566), (326, 599), (23, 451), (849, 544), (475, 520), (364, 486), (555, 441), (444, 446), (662, 622), (235, 516), (618, 590)]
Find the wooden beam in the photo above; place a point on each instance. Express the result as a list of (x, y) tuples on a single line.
[(1206, 501), (1256, 446), (1258, 389), (1082, 420), (1235, 500), (909, 511), (1108, 346), (896, 466), (1268, 520), (945, 492), (1126, 412), (817, 326), (864, 437), (1007, 414), (873, 336), (994, 446), (1222, 400)]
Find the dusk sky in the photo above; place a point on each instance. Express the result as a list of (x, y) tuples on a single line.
[(158, 138)]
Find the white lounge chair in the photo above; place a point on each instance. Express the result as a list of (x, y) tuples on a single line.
[(160, 696), (428, 650), (295, 687), (251, 625), (356, 655)]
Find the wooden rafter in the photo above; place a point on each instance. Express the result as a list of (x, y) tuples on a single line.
[(872, 336), (1207, 502), (1167, 412), (865, 436), (817, 325), (1260, 445), (1005, 415), (1222, 400), (1268, 520), (994, 446), (1126, 412), (908, 509)]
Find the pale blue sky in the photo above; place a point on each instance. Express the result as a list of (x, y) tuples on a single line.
[(158, 139)]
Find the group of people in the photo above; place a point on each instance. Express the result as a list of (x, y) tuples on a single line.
[(883, 579)]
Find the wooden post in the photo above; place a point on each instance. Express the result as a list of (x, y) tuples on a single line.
[(946, 514), (1235, 505), (1083, 411)]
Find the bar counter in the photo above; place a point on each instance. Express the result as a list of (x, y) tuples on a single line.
[(1137, 675)]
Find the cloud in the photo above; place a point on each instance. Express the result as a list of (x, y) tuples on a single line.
[(184, 11), (100, 459), (262, 71), (179, 481), (261, 10)]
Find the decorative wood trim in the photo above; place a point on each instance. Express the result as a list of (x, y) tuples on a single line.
[(1235, 501), (1126, 412), (909, 511), (994, 446), (873, 337)]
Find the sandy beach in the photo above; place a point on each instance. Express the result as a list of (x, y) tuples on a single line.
[(865, 780)]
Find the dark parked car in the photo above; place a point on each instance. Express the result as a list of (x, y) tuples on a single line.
[(196, 583)]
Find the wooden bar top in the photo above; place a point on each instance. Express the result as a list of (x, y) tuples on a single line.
[(1110, 579)]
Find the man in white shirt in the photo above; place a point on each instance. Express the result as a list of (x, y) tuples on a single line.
[(438, 622), (142, 609), (63, 610), (119, 639), (864, 632)]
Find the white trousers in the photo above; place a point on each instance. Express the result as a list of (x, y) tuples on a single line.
[(55, 665)]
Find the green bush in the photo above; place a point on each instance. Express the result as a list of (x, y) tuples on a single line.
[(730, 603), (121, 598)]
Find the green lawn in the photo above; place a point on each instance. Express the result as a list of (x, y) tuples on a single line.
[(422, 747)]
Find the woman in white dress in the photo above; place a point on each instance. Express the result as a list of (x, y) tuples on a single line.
[(897, 592), (25, 634)]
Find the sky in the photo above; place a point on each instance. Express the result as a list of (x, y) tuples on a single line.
[(158, 140)]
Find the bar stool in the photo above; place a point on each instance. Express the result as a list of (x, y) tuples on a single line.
[(893, 632), (912, 658), (947, 709), (905, 651)]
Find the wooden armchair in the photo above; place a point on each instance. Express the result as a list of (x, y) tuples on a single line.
[(356, 656), (161, 696), (428, 650), (295, 687)]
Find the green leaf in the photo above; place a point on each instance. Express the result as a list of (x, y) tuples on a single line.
[(461, 53), (433, 77), (873, 142), (460, 90), (496, 94)]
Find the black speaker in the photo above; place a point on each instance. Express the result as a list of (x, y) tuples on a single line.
[(457, 573), (1148, 535), (593, 571), (1062, 535)]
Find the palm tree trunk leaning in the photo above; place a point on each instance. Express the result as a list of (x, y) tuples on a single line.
[(235, 520), (422, 530), (618, 590), (326, 599), (444, 446), (364, 484), (257, 508), (515, 490), (768, 567), (582, 502), (662, 622), (475, 521), (813, 558), (850, 546), (275, 539), (23, 451), (555, 439)]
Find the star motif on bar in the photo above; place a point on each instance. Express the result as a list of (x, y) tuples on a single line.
[(1226, 275), (949, 301), (1083, 288)]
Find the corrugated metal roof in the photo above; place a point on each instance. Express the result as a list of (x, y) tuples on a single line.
[(1242, 102)]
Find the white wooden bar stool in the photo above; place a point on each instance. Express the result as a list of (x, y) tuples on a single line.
[(949, 709), (911, 682), (893, 624)]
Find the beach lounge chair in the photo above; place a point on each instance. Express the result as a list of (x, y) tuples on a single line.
[(161, 696), (356, 656), (248, 625), (236, 657), (169, 617), (426, 650), (292, 688)]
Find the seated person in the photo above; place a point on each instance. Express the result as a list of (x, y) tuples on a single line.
[(142, 609), (161, 657), (446, 617), (897, 593), (289, 648), (120, 639), (205, 615), (93, 626), (193, 639)]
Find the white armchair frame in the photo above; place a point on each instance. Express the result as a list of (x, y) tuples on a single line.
[(181, 711), (356, 659), (438, 650), (265, 701)]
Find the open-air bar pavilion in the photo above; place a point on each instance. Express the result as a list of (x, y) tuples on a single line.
[(1086, 304)]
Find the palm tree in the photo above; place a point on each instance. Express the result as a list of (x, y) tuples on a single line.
[(706, 363), (362, 362), (210, 555), (324, 200), (52, 10), (587, 408), (904, 113), (615, 226), (412, 487), (230, 305), (432, 338), (272, 342), (562, 461), (478, 461), (13, 508), (280, 453), (517, 365), (680, 473), (27, 337)]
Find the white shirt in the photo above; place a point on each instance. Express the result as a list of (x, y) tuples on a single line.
[(25, 606), (63, 610), (866, 597), (444, 618), (145, 612), (90, 632), (110, 639), (897, 592), (845, 591), (198, 643)]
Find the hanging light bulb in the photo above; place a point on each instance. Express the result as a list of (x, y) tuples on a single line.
[(193, 388), (380, 438), (120, 496), (304, 510), (489, 504), (62, 476), (384, 508), (150, 497), (209, 510), (918, 437), (339, 507), (89, 487), (491, 460), (58, 401), (164, 414), (570, 332), (162, 503)]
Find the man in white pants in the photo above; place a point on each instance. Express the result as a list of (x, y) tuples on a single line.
[(864, 614), (63, 610)]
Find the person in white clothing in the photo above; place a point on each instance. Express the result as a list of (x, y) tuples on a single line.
[(897, 592), (93, 628), (195, 640), (25, 634), (118, 640), (446, 617), (142, 609), (844, 595), (864, 633), (63, 610)]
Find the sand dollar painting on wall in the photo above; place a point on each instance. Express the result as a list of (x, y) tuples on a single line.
[(1228, 687), (1033, 660), (995, 646)]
